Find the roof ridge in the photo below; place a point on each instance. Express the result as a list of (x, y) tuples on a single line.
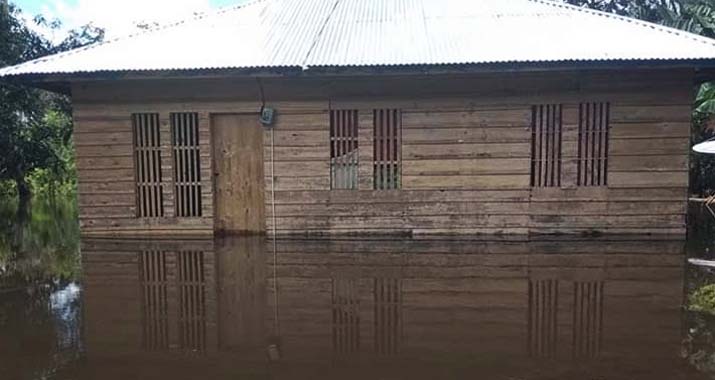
[(647, 24), (196, 17)]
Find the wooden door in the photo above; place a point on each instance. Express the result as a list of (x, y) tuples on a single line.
[(238, 174)]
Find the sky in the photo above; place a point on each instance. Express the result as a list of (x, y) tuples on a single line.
[(117, 17)]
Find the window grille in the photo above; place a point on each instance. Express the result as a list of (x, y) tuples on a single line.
[(147, 163), (387, 149), (593, 144), (187, 164), (546, 139), (344, 149)]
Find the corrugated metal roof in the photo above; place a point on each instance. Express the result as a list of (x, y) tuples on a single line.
[(338, 33)]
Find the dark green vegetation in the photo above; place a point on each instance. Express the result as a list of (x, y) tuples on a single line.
[(38, 242), (695, 16), (35, 125)]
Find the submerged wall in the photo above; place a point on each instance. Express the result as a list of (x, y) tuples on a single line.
[(477, 152)]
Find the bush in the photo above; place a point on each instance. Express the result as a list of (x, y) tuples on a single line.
[(703, 300)]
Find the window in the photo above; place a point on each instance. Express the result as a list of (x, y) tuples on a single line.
[(594, 119), (147, 164), (546, 138), (187, 164), (344, 149), (387, 124)]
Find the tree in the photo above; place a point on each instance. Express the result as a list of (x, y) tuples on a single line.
[(30, 134), (647, 10)]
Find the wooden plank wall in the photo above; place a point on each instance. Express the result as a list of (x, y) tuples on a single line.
[(465, 153)]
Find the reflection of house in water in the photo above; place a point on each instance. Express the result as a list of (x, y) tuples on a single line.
[(546, 317), (493, 302), (346, 316), (183, 277), (543, 313), (157, 296), (587, 312), (154, 284), (388, 315), (241, 270), (192, 300)]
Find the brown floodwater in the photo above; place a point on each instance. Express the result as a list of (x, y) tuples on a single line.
[(246, 308)]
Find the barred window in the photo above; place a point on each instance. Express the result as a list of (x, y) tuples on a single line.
[(594, 122), (147, 165), (344, 149), (546, 139), (187, 164), (387, 149)]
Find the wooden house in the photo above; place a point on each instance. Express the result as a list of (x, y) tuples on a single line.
[(416, 117)]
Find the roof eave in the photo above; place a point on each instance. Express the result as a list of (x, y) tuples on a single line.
[(61, 82)]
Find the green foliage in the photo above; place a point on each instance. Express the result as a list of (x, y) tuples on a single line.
[(648, 10), (695, 16), (703, 300), (35, 125), (58, 178)]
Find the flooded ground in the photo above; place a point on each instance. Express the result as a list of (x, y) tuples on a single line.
[(235, 308)]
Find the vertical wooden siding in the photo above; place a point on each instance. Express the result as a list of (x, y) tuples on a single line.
[(465, 159)]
